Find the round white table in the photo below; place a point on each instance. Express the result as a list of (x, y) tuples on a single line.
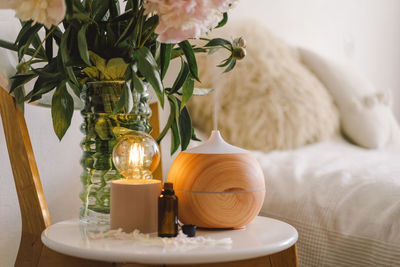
[(264, 236)]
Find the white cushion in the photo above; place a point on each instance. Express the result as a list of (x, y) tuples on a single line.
[(366, 115)]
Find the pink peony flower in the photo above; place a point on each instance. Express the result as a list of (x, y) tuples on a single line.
[(46, 12), (184, 19)]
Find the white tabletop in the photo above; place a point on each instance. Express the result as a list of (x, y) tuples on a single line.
[(263, 236)]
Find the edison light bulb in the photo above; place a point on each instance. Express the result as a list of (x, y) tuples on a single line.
[(136, 155)]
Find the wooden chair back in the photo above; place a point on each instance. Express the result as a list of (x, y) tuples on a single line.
[(34, 212)]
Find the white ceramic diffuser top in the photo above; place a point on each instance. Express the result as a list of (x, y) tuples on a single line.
[(216, 145)]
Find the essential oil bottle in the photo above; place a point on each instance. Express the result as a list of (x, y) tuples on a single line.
[(168, 212)]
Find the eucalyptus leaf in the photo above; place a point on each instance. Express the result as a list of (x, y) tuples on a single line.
[(62, 108)]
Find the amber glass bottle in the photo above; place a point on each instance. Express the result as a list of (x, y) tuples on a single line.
[(168, 212)]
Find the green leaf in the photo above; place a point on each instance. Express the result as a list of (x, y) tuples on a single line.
[(185, 128), (19, 94), (225, 62), (175, 139), (21, 79), (165, 58), (149, 69), (223, 21), (171, 119), (71, 75), (125, 16), (14, 47), (191, 59), (75, 89), (124, 101), (183, 73), (42, 85), (177, 52), (231, 66), (82, 45), (114, 8), (26, 37), (194, 137), (65, 56), (127, 31), (218, 42), (8, 45), (148, 29), (100, 8), (138, 84), (187, 90), (62, 107), (49, 46), (36, 43)]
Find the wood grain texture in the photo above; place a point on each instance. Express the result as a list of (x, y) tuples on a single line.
[(217, 190), (34, 212), (287, 258)]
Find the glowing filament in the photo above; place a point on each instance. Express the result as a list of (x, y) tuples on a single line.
[(136, 155)]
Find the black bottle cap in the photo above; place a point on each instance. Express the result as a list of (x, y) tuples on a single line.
[(169, 186), (189, 230)]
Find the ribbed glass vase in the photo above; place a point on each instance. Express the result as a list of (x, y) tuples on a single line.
[(100, 99)]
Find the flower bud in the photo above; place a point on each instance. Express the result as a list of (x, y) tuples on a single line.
[(238, 53), (240, 42)]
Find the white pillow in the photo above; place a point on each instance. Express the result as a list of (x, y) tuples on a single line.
[(366, 116)]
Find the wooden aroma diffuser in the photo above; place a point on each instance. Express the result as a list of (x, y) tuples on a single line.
[(218, 185)]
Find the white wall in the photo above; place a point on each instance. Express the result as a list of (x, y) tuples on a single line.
[(59, 169), (364, 32)]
